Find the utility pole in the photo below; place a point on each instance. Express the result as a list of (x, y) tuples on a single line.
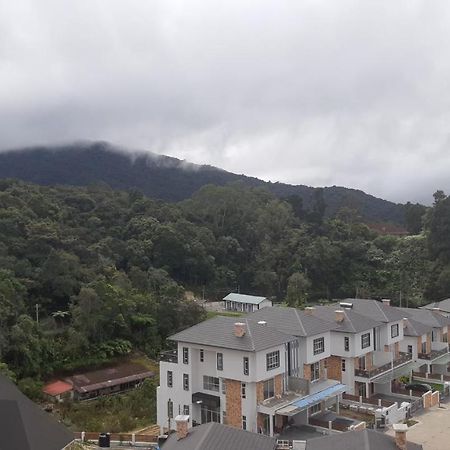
[(37, 313)]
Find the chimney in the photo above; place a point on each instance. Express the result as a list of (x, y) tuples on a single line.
[(339, 314), (263, 323), (386, 301), (309, 310), (400, 435), (239, 329), (405, 322), (182, 426)]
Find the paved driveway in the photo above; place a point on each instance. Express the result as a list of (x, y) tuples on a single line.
[(433, 429)]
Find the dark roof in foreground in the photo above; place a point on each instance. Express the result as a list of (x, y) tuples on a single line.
[(215, 436), (292, 321), (25, 426), (357, 440), (98, 379), (219, 332)]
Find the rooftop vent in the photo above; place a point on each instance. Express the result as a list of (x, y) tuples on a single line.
[(262, 322), (346, 305)]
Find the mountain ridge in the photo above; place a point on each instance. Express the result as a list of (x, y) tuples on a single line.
[(169, 178)]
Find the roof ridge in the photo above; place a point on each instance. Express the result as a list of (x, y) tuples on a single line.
[(250, 334), (205, 435), (299, 321)]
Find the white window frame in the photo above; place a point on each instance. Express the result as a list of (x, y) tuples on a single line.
[(273, 360), (243, 390), (318, 346), (185, 355), (346, 343), (365, 340), (185, 382), (315, 371), (202, 355), (169, 378), (395, 330), (270, 382), (211, 383), (343, 362), (246, 365), (219, 360)]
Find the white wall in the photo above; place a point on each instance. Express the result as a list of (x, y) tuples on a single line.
[(410, 340), (306, 349), (355, 350)]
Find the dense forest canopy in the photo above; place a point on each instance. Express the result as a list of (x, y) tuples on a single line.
[(171, 179), (88, 273)]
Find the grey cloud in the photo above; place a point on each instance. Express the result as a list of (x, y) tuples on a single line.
[(314, 92)]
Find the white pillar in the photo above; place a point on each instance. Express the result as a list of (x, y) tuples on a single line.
[(337, 404), (271, 425)]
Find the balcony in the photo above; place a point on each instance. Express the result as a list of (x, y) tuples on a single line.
[(437, 349), (402, 359), (170, 356)]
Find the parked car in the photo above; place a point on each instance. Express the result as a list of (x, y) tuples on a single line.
[(419, 387)]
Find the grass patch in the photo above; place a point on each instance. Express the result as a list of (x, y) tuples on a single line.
[(211, 314), (117, 413), (410, 422)]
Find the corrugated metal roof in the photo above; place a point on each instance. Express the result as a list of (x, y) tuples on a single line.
[(313, 399), (219, 332), (243, 298)]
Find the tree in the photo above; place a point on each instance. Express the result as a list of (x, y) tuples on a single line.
[(298, 288)]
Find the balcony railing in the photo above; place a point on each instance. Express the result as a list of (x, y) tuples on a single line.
[(402, 359), (433, 354), (170, 356)]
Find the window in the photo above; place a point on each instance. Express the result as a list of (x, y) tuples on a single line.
[(202, 355), (219, 361), (410, 349), (346, 343), (343, 365), (224, 387), (315, 371), (246, 365), (186, 410), (365, 340), (169, 378), (319, 345), (185, 381), (424, 347), (243, 390), (210, 383), (269, 390), (362, 362), (394, 330), (244, 422), (170, 409), (185, 355), (433, 336), (273, 360)]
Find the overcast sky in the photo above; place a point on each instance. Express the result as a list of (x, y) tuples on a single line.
[(352, 93)]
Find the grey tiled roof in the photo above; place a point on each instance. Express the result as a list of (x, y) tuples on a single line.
[(292, 321), (357, 440), (219, 332), (375, 309), (215, 436), (415, 328), (25, 426), (427, 317), (444, 305), (352, 323)]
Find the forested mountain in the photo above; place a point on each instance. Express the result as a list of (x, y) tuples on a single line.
[(87, 273), (170, 179)]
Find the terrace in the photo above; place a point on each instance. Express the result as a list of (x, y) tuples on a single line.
[(170, 356), (402, 359)]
